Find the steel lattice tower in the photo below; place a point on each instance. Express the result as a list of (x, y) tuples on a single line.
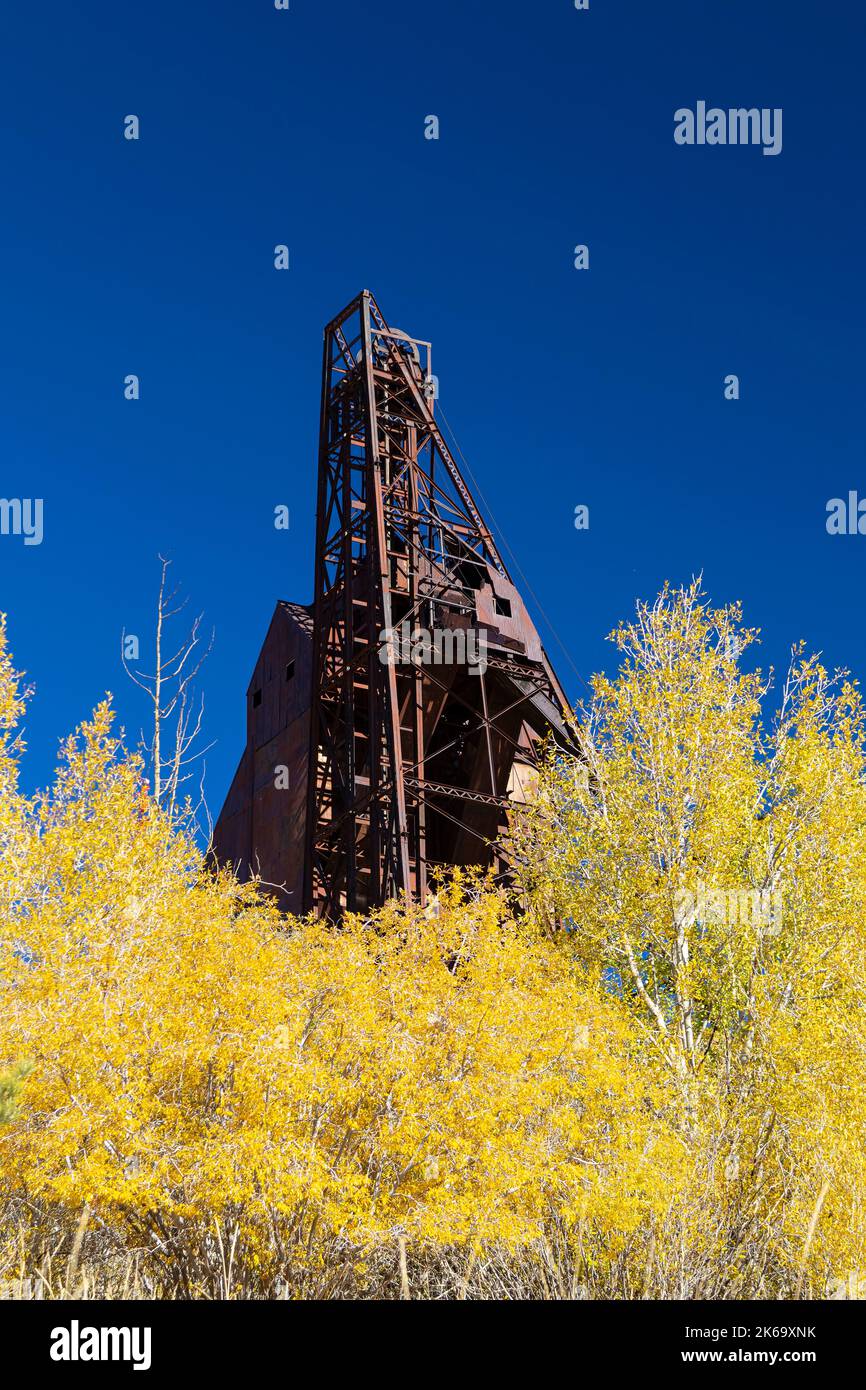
[(410, 765)]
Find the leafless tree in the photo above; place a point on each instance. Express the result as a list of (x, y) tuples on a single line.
[(178, 710)]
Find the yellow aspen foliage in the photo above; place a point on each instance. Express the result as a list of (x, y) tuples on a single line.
[(204, 1070), (648, 1083), (708, 860)]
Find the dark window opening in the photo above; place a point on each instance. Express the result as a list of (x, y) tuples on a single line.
[(290, 670), (257, 698), (502, 606)]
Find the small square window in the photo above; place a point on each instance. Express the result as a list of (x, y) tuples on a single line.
[(502, 606), (257, 698), (290, 671)]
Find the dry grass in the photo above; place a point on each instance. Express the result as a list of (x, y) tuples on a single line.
[(47, 1254)]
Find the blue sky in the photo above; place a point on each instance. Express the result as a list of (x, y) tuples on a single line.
[(604, 387)]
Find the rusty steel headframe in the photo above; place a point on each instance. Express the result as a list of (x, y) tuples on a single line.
[(411, 765)]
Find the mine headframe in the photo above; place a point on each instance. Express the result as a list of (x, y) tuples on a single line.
[(414, 760)]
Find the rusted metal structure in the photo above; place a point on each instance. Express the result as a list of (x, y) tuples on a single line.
[(407, 703)]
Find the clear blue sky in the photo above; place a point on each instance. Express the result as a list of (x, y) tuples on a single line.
[(261, 127)]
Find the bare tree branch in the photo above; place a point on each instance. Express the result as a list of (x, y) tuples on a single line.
[(177, 711)]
